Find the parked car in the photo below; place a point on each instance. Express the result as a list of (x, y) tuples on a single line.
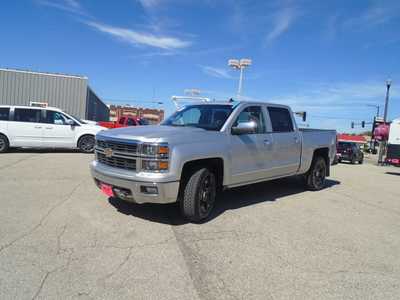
[(125, 121), (204, 148), (36, 127), (393, 147), (350, 152)]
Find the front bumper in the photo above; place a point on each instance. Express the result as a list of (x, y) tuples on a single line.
[(167, 192)]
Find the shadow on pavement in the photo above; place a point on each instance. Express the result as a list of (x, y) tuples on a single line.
[(393, 173), (47, 150), (235, 198)]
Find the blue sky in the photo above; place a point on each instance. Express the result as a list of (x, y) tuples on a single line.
[(330, 58)]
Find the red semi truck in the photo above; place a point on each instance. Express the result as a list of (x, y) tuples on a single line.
[(125, 121)]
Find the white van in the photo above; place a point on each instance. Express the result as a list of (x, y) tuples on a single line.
[(49, 127)]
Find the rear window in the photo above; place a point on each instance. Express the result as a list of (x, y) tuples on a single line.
[(342, 145), (280, 119), (4, 113), (27, 115)]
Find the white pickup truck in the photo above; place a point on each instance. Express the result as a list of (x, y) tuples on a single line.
[(206, 147)]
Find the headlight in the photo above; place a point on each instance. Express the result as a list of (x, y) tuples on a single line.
[(154, 165), (155, 150)]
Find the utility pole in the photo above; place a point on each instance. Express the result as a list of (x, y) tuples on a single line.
[(382, 145)]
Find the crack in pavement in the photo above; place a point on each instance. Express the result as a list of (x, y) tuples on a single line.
[(18, 161), (42, 220)]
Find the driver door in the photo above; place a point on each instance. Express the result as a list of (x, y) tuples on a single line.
[(248, 150)]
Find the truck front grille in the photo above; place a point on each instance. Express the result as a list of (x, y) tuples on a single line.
[(116, 146), (117, 162)]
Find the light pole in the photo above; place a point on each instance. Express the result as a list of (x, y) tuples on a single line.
[(388, 84), (382, 144), (240, 64)]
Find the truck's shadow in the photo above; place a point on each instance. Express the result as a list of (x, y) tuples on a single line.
[(227, 200)]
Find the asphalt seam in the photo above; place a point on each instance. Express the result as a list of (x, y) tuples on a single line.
[(42, 220)]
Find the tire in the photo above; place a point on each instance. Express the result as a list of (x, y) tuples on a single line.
[(361, 160), (86, 143), (353, 160), (199, 195), (315, 177), (4, 144)]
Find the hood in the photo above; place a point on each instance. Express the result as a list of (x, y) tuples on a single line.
[(158, 133)]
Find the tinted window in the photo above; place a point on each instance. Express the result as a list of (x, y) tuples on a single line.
[(252, 113), (130, 122), (280, 119), (4, 113), (27, 115), (55, 117)]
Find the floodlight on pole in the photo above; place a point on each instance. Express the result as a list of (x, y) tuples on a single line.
[(240, 64)]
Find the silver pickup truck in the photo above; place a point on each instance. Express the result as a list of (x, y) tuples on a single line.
[(206, 147)]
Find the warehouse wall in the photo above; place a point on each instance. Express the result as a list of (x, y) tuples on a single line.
[(65, 92), (96, 109)]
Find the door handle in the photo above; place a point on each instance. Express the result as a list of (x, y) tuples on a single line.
[(296, 140), (49, 127), (267, 142), (38, 127)]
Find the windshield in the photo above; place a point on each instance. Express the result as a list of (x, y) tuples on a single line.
[(144, 122), (79, 120), (209, 117)]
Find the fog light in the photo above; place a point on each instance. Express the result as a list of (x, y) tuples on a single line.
[(153, 190), (123, 194)]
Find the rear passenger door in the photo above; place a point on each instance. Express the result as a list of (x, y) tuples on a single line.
[(26, 127), (4, 118), (57, 133), (286, 146)]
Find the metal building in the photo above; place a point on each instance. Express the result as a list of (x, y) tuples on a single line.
[(67, 92)]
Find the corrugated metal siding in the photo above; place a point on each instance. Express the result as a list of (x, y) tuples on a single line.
[(96, 109), (65, 92)]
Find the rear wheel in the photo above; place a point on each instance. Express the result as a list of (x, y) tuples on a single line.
[(353, 160), (315, 177), (86, 143), (4, 145), (361, 160), (199, 195)]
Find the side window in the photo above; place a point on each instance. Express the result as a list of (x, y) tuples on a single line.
[(55, 117), (27, 115), (130, 122), (280, 119), (122, 121), (4, 113), (252, 113)]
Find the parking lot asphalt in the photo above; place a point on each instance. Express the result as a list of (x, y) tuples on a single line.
[(61, 238)]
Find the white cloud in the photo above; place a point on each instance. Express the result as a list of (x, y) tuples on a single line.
[(216, 72), (141, 38), (337, 97), (379, 13), (149, 3), (72, 6), (283, 19)]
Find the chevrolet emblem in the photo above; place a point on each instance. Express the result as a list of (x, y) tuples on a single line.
[(108, 152)]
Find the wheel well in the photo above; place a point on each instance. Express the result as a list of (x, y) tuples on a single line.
[(216, 165), (324, 153), (8, 141), (86, 134)]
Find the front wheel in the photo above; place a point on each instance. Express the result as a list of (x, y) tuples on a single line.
[(86, 143), (3, 144), (315, 177), (199, 195)]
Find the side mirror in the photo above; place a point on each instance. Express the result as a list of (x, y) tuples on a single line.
[(71, 122), (245, 128)]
